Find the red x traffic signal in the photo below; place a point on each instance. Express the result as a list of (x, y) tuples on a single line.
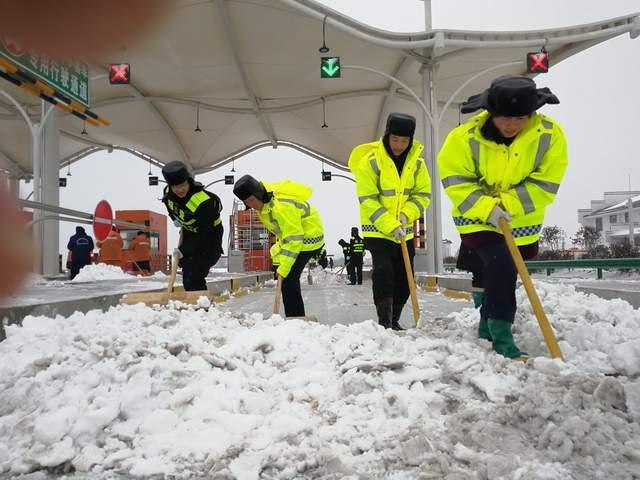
[(538, 62), (119, 74)]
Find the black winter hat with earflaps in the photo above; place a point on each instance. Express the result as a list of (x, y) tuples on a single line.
[(175, 173), (247, 186), (510, 96)]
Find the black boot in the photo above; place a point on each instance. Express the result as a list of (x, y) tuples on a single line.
[(395, 318), (383, 309)]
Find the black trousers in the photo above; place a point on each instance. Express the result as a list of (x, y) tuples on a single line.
[(389, 274), (291, 292), (195, 270), (77, 266), (499, 276), (356, 269)]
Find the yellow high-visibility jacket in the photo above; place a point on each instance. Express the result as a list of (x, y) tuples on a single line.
[(383, 194), (294, 222), (523, 178)]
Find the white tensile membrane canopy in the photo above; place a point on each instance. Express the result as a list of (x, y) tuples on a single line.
[(247, 75)]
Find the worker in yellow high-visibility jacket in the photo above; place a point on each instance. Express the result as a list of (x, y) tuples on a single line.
[(507, 162), (394, 190), (285, 212)]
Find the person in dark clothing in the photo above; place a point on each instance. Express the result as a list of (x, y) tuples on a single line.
[(80, 245), (356, 251), (470, 261), (331, 263), (394, 190), (346, 249), (197, 212), (323, 261)]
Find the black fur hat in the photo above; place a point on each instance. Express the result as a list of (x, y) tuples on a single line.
[(175, 173), (510, 96), (401, 124), (247, 186), (80, 231)]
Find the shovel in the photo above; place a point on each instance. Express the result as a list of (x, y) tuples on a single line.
[(412, 284), (547, 332), (309, 277), (341, 269), (157, 298), (276, 305), (136, 264)]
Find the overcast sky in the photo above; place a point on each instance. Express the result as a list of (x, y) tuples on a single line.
[(597, 89)]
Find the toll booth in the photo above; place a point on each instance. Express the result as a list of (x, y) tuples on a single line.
[(249, 239), (155, 226)]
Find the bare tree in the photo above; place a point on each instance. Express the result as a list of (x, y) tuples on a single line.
[(553, 237), (587, 237)]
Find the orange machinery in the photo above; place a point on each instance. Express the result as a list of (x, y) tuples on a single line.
[(155, 226), (251, 236)]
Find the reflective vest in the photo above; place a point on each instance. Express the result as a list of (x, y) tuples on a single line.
[(383, 194), (294, 222), (357, 245), (186, 214), (523, 178)]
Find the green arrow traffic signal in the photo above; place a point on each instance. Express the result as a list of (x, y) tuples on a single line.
[(330, 67)]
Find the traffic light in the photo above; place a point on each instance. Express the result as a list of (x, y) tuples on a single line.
[(228, 179), (326, 176), (153, 181), (119, 74), (329, 67), (538, 62), (62, 182)]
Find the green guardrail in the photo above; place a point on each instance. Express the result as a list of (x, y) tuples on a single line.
[(550, 265)]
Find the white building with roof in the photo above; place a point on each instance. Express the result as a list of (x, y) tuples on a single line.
[(611, 216)]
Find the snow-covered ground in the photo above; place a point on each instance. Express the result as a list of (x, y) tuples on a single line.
[(184, 393)]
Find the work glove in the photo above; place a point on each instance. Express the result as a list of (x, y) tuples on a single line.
[(496, 214), (399, 232), (177, 250), (177, 223), (403, 220)]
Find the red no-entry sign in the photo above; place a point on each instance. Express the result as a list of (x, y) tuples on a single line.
[(102, 219)]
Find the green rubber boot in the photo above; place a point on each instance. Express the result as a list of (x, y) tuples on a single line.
[(503, 340), (483, 330), (477, 298), (483, 327)]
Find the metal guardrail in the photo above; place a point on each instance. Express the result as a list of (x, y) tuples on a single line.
[(598, 263)]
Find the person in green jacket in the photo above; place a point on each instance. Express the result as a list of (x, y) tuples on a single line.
[(507, 162), (285, 212)]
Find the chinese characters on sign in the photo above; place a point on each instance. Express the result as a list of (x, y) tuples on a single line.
[(69, 77)]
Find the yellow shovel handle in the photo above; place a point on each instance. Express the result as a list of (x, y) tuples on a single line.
[(547, 332)]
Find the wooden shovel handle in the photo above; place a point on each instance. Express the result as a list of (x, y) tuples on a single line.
[(136, 263), (276, 306), (176, 260), (547, 332), (410, 281)]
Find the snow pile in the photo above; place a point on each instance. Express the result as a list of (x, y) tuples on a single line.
[(320, 276), (100, 271), (186, 393)]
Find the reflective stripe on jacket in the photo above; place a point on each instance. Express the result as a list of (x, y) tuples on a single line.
[(524, 177), (293, 221), (357, 245), (383, 194), (111, 247), (185, 215), (139, 248)]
